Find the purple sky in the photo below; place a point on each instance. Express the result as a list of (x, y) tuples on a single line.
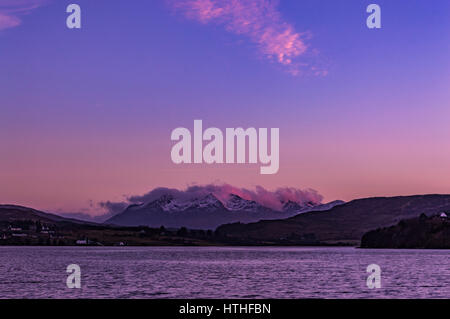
[(86, 115)]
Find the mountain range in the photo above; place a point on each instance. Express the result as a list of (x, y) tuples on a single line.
[(420, 232), (207, 212), (333, 223), (13, 213), (344, 223)]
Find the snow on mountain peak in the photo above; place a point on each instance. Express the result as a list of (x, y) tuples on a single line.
[(204, 202), (169, 203), (237, 203)]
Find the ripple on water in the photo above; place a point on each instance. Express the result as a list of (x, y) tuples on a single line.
[(222, 272)]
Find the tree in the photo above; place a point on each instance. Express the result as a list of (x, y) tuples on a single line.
[(182, 232)]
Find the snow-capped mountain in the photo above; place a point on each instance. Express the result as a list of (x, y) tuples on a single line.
[(205, 212), (237, 203), (208, 202), (291, 206), (169, 203), (327, 206), (296, 208)]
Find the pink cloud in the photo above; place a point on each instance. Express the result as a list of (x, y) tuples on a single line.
[(12, 10), (8, 21), (268, 198), (258, 20)]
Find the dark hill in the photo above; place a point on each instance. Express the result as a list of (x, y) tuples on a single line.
[(422, 232), (9, 213), (206, 212), (343, 223)]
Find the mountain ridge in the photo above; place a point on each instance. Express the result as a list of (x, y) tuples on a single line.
[(207, 212), (18, 212), (424, 232), (343, 223)]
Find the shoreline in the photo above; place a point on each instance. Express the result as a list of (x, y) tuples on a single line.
[(231, 246)]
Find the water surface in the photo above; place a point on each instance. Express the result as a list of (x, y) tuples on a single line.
[(222, 272)]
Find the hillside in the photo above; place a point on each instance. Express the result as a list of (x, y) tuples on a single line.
[(9, 213), (26, 226), (206, 212), (344, 223), (422, 232)]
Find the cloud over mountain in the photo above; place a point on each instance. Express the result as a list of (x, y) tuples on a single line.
[(272, 199)]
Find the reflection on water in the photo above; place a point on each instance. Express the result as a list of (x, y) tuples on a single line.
[(222, 272)]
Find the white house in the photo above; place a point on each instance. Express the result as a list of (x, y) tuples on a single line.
[(443, 215)]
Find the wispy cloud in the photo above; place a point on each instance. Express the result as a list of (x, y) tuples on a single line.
[(11, 11), (258, 20)]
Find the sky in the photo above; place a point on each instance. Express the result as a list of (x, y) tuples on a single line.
[(86, 114)]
